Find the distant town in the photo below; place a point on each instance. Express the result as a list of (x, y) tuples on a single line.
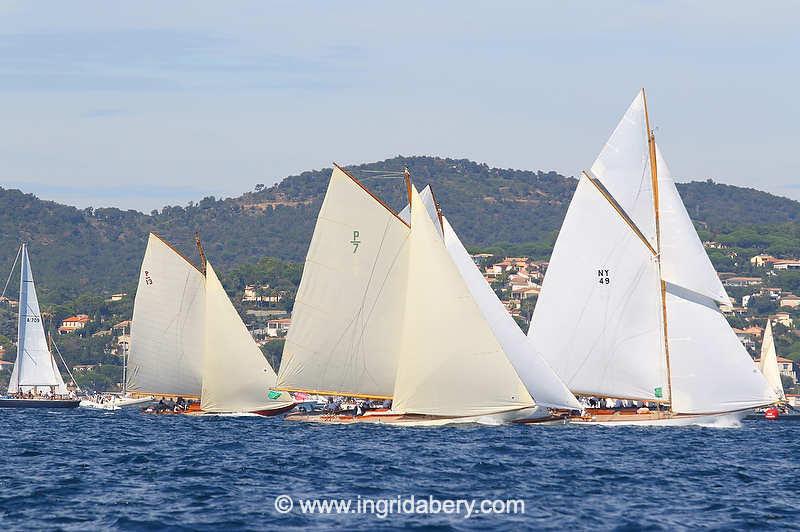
[(94, 339)]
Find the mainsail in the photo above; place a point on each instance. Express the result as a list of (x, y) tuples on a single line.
[(451, 362), (628, 305), (236, 376), (166, 355), (35, 368), (769, 363), (347, 319)]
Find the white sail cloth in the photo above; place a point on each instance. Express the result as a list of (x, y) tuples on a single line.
[(236, 376), (599, 318), (166, 355), (451, 362), (711, 370), (347, 321), (768, 364), (542, 383), (35, 368)]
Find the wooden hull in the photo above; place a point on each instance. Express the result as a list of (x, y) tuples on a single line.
[(387, 417), (39, 403), (660, 419)]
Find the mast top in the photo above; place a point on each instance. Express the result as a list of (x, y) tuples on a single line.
[(201, 251), (407, 177)]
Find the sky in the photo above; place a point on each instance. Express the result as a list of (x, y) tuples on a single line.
[(143, 104)]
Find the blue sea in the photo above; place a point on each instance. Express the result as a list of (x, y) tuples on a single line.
[(95, 470)]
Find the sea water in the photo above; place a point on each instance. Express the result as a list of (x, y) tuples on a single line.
[(90, 470)]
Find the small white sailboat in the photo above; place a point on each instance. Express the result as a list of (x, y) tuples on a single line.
[(768, 363), (36, 381), (188, 341), (628, 308), (117, 400), (383, 312)]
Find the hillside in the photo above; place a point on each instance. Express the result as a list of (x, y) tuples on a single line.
[(98, 250)]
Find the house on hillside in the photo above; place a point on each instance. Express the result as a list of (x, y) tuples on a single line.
[(741, 282), (746, 338), (785, 367), (261, 294), (278, 328), (116, 297), (83, 368), (784, 318), (12, 303), (481, 258), (762, 260), (789, 300), (786, 264), (74, 323)]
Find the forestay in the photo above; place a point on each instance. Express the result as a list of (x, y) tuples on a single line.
[(35, 368), (236, 376), (451, 364), (348, 314), (166, 356)]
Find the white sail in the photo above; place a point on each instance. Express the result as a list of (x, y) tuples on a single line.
[(236, 376), (623, 167), (684, 261), (35, 368), (426, 195), (348, 313), (166, 355), (597, 320), (711, 370), (768, 364), (451, 363), (540, 380)]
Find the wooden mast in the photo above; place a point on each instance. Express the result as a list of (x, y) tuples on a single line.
[(651, 144), (200, 251), (407, 177)]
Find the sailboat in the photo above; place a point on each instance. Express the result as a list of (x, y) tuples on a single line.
[(383, 312), (768, 363), (36, 381), (188, 341), (629, 305)]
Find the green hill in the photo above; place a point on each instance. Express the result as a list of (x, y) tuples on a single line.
[(98, 250)]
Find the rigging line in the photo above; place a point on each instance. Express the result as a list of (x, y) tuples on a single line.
[(19, 250), (617, 207), (393, 172), (72, 378)]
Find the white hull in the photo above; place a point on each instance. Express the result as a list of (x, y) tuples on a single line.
[(115, 403), (721, 420)]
